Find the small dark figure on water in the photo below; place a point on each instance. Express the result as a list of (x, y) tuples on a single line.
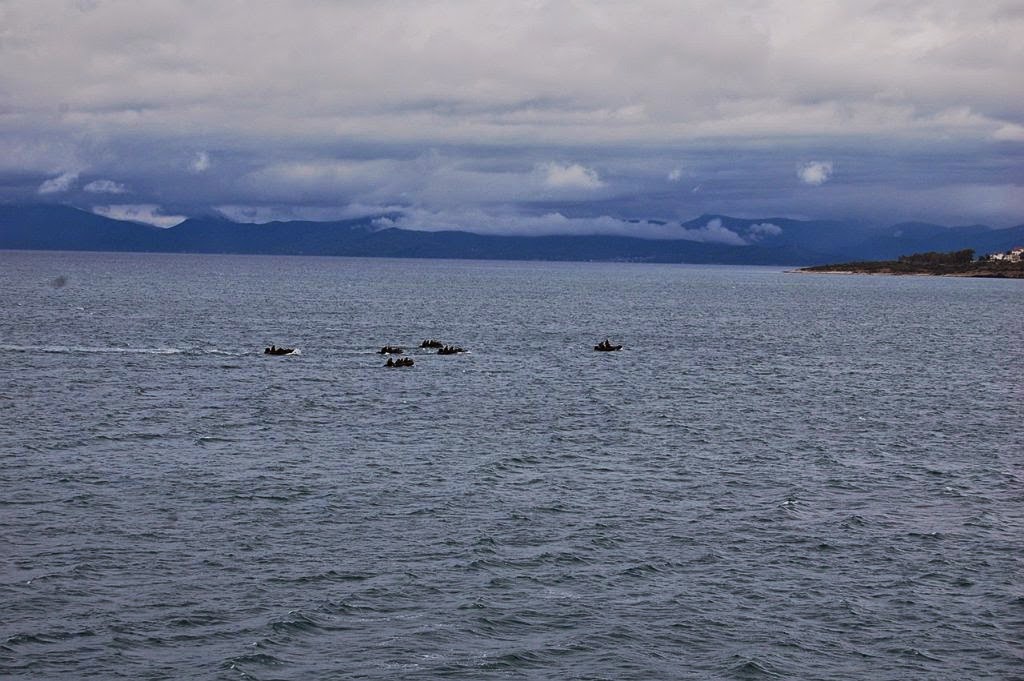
[(390, 350)]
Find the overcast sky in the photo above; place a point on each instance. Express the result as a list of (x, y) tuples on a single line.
[(519, 116)]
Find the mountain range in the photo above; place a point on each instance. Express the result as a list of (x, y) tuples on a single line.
[(766, 241)]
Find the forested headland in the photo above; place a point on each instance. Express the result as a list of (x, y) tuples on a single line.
[(952, 264)]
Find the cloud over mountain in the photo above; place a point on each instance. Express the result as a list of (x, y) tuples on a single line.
[(556, 224), (145, 213), (59, 184)]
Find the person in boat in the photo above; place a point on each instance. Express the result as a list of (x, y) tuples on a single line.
[(390, 362)]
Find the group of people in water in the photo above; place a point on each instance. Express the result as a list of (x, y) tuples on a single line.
[(606, 346), (442, 349)]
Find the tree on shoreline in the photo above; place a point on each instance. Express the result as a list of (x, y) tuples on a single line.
[(964, 257)]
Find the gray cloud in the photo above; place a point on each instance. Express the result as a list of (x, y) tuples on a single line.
[(439, 105)]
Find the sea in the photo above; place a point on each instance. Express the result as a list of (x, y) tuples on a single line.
[(779, 476)]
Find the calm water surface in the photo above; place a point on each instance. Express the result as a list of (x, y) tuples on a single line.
[(780, 476)]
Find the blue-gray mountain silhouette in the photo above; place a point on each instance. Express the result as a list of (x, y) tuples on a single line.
[(771, 241)]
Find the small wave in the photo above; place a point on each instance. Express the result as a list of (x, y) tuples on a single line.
[(131, 436), (261, 659), (854, 521), (486, 564), (328, 576), (295, 622), (752, 669), (213, 439), (197, 620), (49, 637), (514, 661), (641, 570), (22, 639), (558, 558), (915, 653), (927, 536)]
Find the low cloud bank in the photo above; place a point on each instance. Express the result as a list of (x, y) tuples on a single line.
[(264, 214), (472, 220), (146, 213), (556, 224)]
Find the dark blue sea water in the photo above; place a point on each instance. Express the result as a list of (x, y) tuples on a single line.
[(780, 476)]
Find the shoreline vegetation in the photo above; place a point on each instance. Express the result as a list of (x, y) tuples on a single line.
[(954, 264)]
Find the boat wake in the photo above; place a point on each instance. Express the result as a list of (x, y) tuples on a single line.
[(83, 349)]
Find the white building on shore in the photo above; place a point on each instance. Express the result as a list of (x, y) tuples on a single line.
[(1012, 255)]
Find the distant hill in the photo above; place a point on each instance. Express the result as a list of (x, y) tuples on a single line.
[(61, 228), (770, 241)]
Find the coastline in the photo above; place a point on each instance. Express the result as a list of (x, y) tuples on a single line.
[(984, 270)]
